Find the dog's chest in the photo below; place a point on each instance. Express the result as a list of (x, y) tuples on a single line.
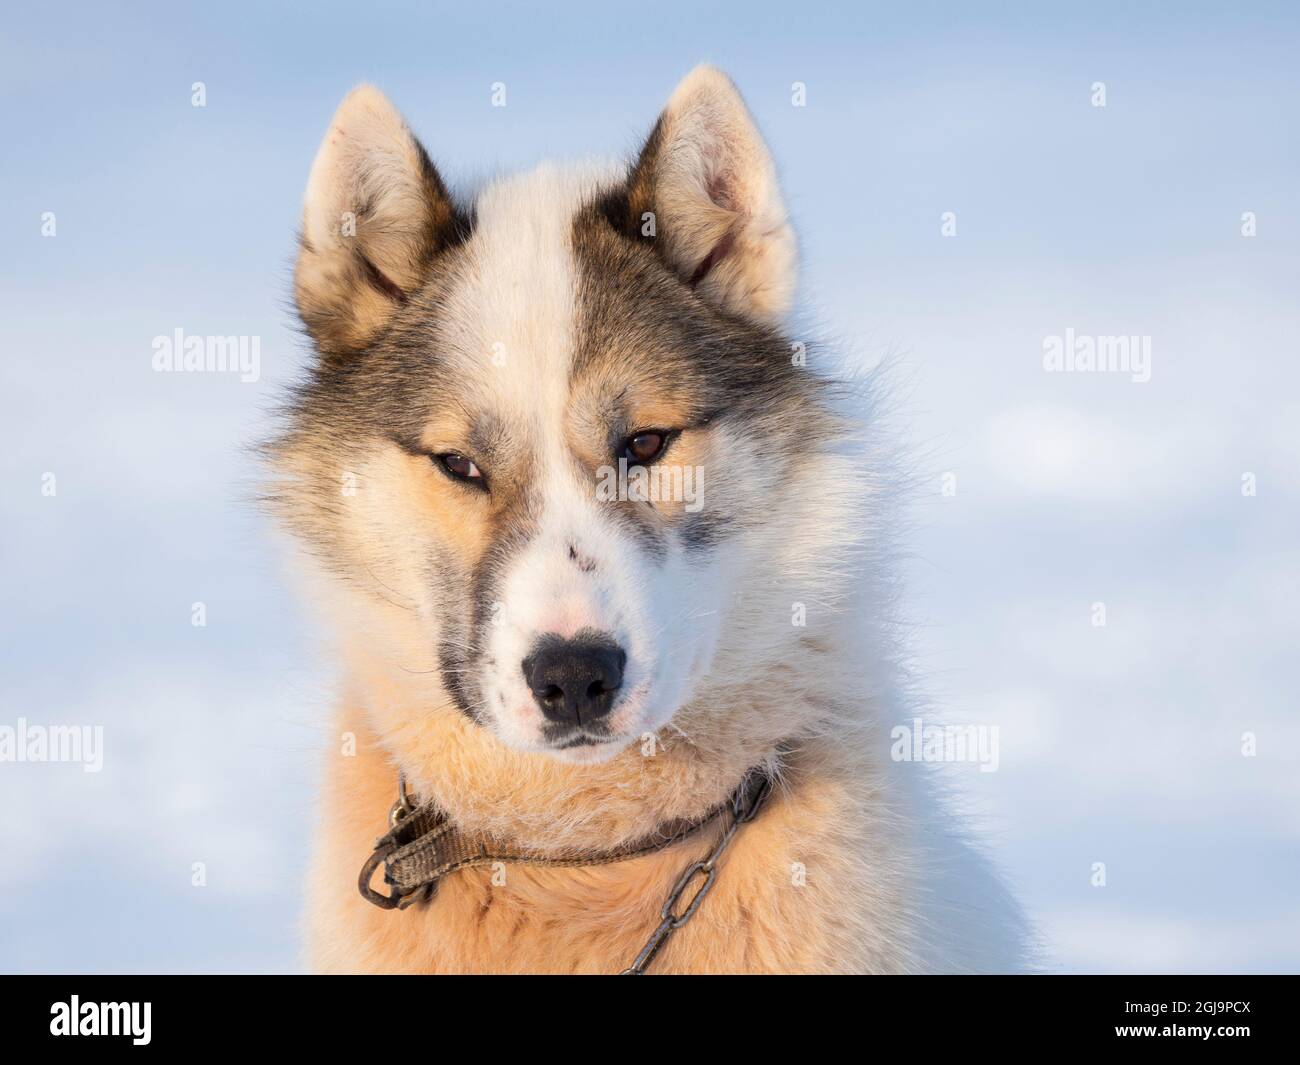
[(514, 918)]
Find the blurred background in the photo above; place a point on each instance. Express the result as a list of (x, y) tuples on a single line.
[(1041, 494)]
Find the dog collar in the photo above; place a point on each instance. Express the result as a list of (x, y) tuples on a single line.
[(422, 846)]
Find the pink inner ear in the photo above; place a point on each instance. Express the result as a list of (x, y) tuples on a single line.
[(714, 257)]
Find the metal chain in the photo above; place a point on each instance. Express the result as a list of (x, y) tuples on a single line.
[(707, 867)]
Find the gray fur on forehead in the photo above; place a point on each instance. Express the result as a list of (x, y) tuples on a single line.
[(633, 310)]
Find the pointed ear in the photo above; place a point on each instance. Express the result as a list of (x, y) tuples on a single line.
[(374, 215), (719, 221)]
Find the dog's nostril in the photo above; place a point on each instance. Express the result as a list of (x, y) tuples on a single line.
[(575, 681)]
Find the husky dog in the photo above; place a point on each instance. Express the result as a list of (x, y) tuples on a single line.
[(562, 652)]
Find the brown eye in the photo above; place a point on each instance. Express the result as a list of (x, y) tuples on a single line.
[(460, 467), (644, 447)]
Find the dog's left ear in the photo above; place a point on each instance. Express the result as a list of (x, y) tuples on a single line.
[(707, 178)]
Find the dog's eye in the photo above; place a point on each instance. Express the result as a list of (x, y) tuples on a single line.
[(460, 467), (644, 446)]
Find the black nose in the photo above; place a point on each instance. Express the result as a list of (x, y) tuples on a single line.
[(575, 681)]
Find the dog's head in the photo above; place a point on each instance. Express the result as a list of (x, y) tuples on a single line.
[(545, 431)]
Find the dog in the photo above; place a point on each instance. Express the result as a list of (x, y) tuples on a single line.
[(598, 540)]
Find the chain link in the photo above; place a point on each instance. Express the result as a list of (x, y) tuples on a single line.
[(740, 813)]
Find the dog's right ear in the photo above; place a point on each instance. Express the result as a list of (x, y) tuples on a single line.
[(707, 180), (374, 215)]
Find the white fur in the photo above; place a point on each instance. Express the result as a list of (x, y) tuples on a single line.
[(511, 327)]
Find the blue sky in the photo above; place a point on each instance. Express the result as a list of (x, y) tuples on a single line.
[(1120, 744)]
